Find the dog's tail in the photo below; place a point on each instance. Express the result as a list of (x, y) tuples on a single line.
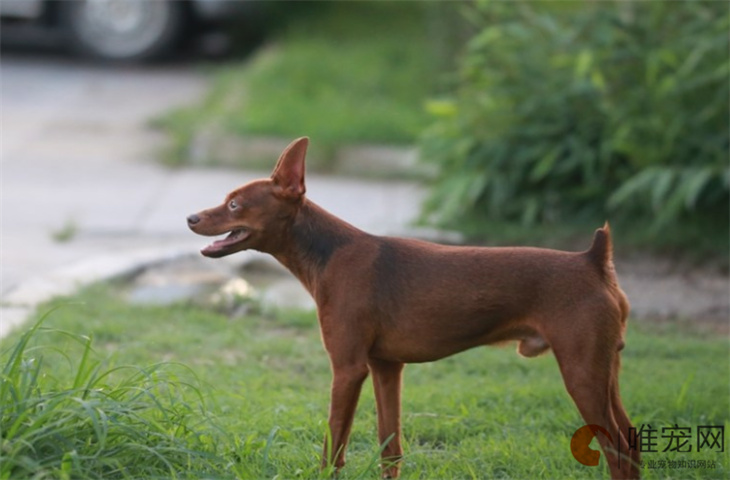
[(601, 253), (601, 256)]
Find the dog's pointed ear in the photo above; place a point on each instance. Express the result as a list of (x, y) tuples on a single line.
[(288, 175)]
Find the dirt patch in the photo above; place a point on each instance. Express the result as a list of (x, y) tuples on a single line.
[(662, 290)]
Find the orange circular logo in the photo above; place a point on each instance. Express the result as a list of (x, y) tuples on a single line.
[(579, 444)]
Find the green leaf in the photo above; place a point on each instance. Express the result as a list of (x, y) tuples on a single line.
[(442, 108), (545, 165), (662, 180), (530, 212), (695, 184), (637, 184), (583, 63)]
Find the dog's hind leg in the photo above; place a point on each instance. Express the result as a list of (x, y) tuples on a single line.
[(587, 365), (631, 455)]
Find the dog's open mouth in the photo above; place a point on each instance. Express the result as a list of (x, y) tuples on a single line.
[(223, 247)]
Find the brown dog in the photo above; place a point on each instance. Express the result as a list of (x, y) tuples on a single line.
[(383, 302)]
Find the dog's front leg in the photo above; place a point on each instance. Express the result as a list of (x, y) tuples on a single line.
[(387, 384), (346, 387)]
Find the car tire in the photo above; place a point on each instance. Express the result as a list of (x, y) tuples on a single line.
[(123, 30)]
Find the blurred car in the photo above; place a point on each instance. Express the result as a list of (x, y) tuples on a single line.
[(122, 30)]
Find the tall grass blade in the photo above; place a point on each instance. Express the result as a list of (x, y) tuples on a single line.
[(97, 421)]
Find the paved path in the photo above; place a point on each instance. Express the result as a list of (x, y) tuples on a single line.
[(77, 156)]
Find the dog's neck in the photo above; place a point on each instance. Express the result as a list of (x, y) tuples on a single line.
[(311, 240)]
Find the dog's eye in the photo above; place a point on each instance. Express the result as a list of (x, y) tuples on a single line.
[(232, 205)]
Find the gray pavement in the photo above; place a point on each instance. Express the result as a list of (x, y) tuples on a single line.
[(78, 159)]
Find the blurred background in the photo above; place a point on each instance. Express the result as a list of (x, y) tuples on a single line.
[(498, 122), (480, 122)]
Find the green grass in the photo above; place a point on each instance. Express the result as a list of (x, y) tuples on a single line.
[(251, 401), (341, 73), (65, 414), (66, 232)]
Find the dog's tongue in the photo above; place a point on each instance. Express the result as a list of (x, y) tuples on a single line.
[(218, 247)]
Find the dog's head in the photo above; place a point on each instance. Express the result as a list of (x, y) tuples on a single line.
[(256, 215)]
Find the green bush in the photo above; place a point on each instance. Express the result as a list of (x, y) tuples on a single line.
[(570, 112)]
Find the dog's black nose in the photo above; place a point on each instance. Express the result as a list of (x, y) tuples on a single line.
[(193, 219)]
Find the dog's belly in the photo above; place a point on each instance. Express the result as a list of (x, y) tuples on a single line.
[(408, 351), (429, 341)]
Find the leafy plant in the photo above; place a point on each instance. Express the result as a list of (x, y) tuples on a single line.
[(102, 422), (574, 111)]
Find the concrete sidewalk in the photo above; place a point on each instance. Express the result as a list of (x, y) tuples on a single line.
[(127, 217), (83, 200)]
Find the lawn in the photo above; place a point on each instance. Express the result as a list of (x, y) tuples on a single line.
[(315, 75), (209, 396)]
